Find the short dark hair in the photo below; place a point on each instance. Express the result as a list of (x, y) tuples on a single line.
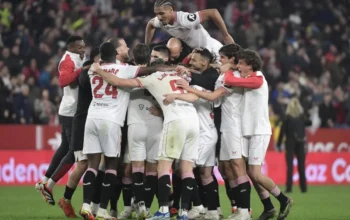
[(108, 52), (142, 54), (157, 62), (94, 53), (162, 49), (204, 52), (115, 41), (251, 58), (231, 50), (161, 3), (72, 39)]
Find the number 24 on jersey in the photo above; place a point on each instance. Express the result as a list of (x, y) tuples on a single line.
[(110, 90)]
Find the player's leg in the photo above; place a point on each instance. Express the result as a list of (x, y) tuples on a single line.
[(127, 189), (110, 138), (189, 154), (172, 142), (92, 149), (154, 131), (257, 151), (45, 190), (95, 203), (137, 138), (176, 193), (269, 211)]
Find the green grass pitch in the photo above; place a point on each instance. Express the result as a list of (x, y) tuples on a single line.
[(319, 203)]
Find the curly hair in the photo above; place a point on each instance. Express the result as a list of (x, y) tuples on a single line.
[(251, 58)]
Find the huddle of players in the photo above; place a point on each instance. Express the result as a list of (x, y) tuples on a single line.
[(187, 132)]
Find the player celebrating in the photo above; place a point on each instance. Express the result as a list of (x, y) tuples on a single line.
[(144, 130), (256, 126), (186, 26), (179, 139), (69, 69)]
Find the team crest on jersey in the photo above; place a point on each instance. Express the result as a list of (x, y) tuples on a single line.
[(191, 17), (141, 106)]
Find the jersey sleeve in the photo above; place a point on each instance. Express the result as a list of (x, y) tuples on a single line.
[(220, 84), (129, 72), (188, 20), (145, 82)]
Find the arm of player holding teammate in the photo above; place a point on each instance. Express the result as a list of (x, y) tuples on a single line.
[(150, 29), (187, 97), (67, 73), (210, 96), (191, 20), (116, 81), (252, 82)]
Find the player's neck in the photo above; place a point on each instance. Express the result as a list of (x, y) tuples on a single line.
[(120, 59), (247, 74)]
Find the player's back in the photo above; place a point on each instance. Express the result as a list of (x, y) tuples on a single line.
[(109, 102), (162, 83)]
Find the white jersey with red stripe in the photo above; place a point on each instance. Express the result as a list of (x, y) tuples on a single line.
[(162, 83), (205, 111), (187, 27), (109, 102), (138, 110), (256, 110), (231, 106), (69, 101)]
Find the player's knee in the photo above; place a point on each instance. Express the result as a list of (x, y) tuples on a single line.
[(82, 166)]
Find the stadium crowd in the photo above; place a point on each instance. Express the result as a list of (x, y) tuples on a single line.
[(304, 45)]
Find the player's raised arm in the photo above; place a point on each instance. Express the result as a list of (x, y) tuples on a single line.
[(150, 29), (210, 96), (215, 16)]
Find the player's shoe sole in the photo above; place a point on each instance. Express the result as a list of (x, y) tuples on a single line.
[(268, 215), (67, 208)]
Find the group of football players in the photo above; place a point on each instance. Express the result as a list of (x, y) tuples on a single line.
[(190, 104)]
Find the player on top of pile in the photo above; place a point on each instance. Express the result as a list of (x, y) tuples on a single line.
[(187, 26)]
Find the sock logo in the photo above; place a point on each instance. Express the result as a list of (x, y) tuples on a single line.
[(86, 184), (106, 185), (138, 184), (190, 188), (243, 190), (147, 189), (168, 185)]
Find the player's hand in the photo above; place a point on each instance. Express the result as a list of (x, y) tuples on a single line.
[(154, 110), (181, 83), (169, 98), (183, 70), (94, 67), (228, 39)]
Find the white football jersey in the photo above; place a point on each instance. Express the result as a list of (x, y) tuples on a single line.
[(255, 111), (187, 27), (231, 106), (162, 83), (205, 111), (109, 102), (140, 103)]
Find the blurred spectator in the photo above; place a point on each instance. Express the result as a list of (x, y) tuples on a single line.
[(22, 106), (44, 109), (327, 112)]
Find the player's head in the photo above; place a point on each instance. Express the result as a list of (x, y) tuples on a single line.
[(201, 58), (164, 10), (142, 54), (108, 52), (95, 55), (175, 47), (248, 61), (75, 44), (229, 53), (157, 62), (121, 47), (160, 52)]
